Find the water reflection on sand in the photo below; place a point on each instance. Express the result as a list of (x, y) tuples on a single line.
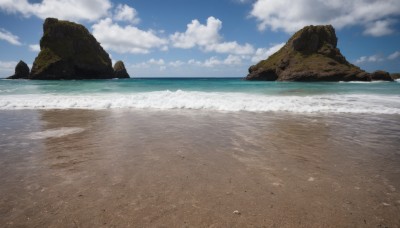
[(195, 168)]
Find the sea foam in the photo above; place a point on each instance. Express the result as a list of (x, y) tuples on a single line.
[(55, 133), (218, 101)]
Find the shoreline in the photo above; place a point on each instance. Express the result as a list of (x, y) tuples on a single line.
[(197, 168)]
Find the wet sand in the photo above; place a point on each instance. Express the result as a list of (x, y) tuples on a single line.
[(141, 168)]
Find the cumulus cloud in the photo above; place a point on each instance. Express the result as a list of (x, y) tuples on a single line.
[(151, 63), (126, 39), (230, 60), (215, 61), (75, 10), (7, 65), (198, 34), (377, 58), (34, 47), (7, 68), (126, 13), (290, 16), (379, 28), (369, 59), (176, 63), (208, 39), (394, 55), (263, 53), (9, 37), (156, 62)]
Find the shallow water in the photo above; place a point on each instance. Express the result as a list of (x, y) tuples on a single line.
[(125, 167)]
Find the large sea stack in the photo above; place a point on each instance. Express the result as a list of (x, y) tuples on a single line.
[(311, 54), (69, 51)]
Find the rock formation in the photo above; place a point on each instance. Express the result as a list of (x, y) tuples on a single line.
[(69, 51), (21, 71), (309, 55), (120, 71), (381, 76), (395, 76)]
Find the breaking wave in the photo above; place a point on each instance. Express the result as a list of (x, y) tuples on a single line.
[(218, 101)]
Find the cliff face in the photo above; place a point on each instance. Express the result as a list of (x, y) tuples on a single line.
[(311, 54), (69, 51)]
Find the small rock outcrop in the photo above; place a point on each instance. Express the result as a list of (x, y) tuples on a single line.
[(311, 54), (395, 76), (21, 71), (120, 71), (69, 51), (381, 75)]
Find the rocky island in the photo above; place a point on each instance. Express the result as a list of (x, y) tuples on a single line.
[(311, 54), (68, 51)]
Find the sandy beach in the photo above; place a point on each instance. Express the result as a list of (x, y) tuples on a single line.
[(186, 168)]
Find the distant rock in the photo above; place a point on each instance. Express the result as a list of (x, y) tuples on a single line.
[(395, 76), (380, 75), (311, 54), (21, 71), (120, 71), (69, 51)]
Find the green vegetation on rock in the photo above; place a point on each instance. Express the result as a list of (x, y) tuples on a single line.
[(309, 55), (69, 51)]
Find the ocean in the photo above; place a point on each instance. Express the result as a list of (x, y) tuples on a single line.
[(199, 152), (215, 94)]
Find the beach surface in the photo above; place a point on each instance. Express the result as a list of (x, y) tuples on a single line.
[(191, 168)]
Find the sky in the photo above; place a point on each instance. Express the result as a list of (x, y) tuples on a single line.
[(204, 38)]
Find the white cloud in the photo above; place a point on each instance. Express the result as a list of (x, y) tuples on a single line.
[(128, 39), (150, 64), (75, 10), (394, 55), (369, 59), (207, 37), (9, 37), (7, 64), (230, 47), (126, 13), (214, 61), (377, 58), (156, 62), (176, 63), (7, 68), (198, 34), (290, 16), (264, 53), (34, 47), (379, 28), (230, 60), (233, 60)]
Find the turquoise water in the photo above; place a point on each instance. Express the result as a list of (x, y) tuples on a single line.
[(198, 84), (231, 94)]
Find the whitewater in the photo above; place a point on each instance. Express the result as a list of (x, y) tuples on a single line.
[(231, 95)]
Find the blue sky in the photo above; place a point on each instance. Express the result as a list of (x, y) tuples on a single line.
[(205, 38)]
